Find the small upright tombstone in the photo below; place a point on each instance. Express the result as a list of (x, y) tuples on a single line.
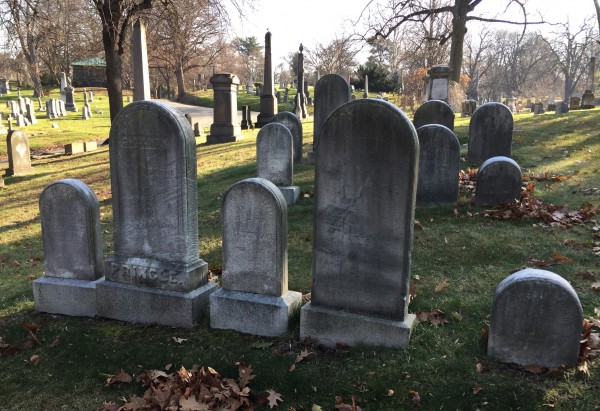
[(70, 217), (434, 112), (575, 103), (365, 186), (536, 320), (293, 123), (245, 125), (561, 108), (31, 113), (90, 96), (498, 181), (439, 165), (438, 83), (155, 274), (366, 90), (588, 100), (331, 92), (274, 162), (196, 126), (490, 132), (70, 99), (4, 86), (255, 298), (63, 84), (19, 161), (225, 128)]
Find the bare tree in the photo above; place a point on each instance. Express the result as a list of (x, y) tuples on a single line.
[(337, 57), (382, 21)]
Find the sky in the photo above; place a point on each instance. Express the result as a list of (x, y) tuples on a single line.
[(319, 21)]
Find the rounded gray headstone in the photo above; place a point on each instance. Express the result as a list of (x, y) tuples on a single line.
[(254, 214), (365, 186), (490, 132), (439, 165), (434, 112), (70, 218), (498, 181), (536, 319), (293, 123), (19, 161), (331, 91), (274, 148)]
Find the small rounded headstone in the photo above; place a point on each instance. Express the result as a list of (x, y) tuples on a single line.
[(498, 181), (274, 149), (292, 122), (536, 320), (434, 112), (490, 132)]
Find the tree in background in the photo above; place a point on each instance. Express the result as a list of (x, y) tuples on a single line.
[(381, 79), (337, 57), (251, 52)]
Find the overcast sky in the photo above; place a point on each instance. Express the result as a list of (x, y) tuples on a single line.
[(292, 22)]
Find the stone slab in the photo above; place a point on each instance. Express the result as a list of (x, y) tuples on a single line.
[(145, 305), (290, 193), (250, 313), (65, 296), (90, 146), (330, 327), (74, 148)]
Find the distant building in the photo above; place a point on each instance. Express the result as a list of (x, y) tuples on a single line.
[(89, 72)]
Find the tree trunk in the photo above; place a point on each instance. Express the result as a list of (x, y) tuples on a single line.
[(114, 68), (180, 81), (568, 87), (459, 29)]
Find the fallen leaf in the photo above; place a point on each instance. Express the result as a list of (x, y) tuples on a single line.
[(476, 390), (246, 374), (15, 263), (273, 398), (412, 291), (596, 286), (55, 343), (35, 360), (191, 404), (390, 392), (479, 367), (442, 285), (31, 277), (179, 340), (416, 399), (168, 367), (303, 354), (120, 377), (316, 407)]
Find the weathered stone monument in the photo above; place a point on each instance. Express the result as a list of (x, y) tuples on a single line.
[(63, 84), (70, 217), (365, 186), (575, 103), (19, 161), (274, 161), (246, 125), (434, 112), (438, 83), (490, 132), (139, 59), (86, 111), (268, 102), (331, 92), (439, 165), (30, 113), (70, 100), (498, 181), (196, 125), (561, 108), (4, 86), (155, 274), (293, 123), (536, 320), (300, 99), (225, 127), (255, 298), (366, 91)]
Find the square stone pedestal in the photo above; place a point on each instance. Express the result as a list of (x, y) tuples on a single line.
[(139, 304), (251, 313), (65, 296), (290, 193), (330, 327)]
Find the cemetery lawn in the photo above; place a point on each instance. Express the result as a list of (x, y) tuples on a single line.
[(458, 259)]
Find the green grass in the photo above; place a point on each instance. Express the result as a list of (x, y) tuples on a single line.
[(473, 253)]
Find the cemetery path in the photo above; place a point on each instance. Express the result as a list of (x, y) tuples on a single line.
[(205, 114)]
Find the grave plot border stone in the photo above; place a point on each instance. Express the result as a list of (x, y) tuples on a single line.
[(365, 188), (528, 334), (244, 303), (71, 290), (149, 279)]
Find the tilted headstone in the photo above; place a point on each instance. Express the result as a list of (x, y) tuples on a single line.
[(274, 162), (490, 132), (70, 99), (21, 120), (255, 298), (61, 108), (536, 320), (293, 123), (498, 181), (19, 161), (439, 165), (14, 108), (225, 128), (331, 92), (155, 274), (434, 112), (70, 217), (365, 187)]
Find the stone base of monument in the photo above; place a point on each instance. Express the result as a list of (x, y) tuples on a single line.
[(65, 296), (223, 133), (330, 327), (250, 313), (311, 157), (138, 304), (290, 193), (21, 171)]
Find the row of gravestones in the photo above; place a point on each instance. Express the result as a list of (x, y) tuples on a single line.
[(22, 110), (365, 186)]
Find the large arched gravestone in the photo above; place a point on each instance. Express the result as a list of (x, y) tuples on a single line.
[(255, 298), (490, 132), (70, 219), (155, 273), (19, 161), (536, 320), (365, 187), (434, 112)]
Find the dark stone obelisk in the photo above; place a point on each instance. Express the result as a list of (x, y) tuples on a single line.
[(268, 101), (300, 100)]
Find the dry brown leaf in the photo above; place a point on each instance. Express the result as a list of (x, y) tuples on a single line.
[(303, 354), (34, 361), (476, 390), (168, 367), (442, 285), (179, 340), (596, 286), (246, 374), (191, 404), (533, 369), (416, 398), (55, 343), (479, 367), (273, 398), (120, 377), (412, 291), (30, 277), (390, 392), (15, 263)]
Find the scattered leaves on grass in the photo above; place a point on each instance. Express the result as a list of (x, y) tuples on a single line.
[(442, 285), (342, 406), (435, 317), (303, 354), (555, 259), (119, 377), (590, 343), (273, 398), (412, 291), (466, 180)]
